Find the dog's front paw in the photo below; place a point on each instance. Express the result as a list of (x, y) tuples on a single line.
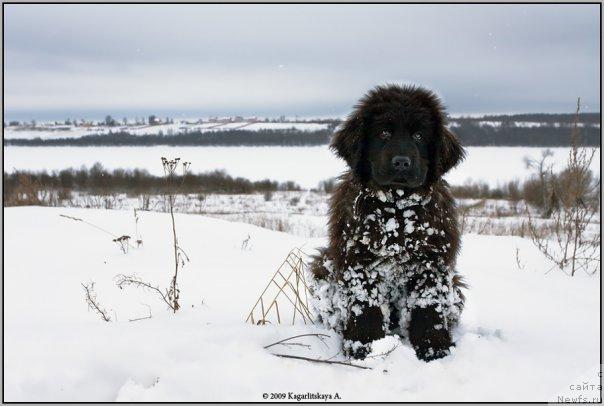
[(429, 351), (356, 349), (427, 334)]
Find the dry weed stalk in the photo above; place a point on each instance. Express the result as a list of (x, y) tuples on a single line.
[(171, 295), (245, 243), (92, 301), (139, 239), (288, 282), (170, 172), (573, 247), (322, 361), (123, 241), (287, 341), (519, 264)]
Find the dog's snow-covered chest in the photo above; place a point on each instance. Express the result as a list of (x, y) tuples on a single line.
[(390, 224)]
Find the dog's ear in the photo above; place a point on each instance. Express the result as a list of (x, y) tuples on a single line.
[(347, 142), (451, 152)]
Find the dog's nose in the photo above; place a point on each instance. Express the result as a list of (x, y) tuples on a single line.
[(401, 163)]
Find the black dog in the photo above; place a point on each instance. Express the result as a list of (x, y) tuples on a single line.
[(393, 234)]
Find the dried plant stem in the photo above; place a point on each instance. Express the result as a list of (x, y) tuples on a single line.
[(131, 280), (146, 317), (282, 286), (385, 353), (170, 168), (174, 279), (115, 236), (318, 335), (322, 361), (91, 300)]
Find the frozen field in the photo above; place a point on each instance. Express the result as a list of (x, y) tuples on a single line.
[(305, 165), (525, 336), (50, 130), (69, 131)]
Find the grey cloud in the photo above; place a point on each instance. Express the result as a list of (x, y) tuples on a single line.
[(288, 58)]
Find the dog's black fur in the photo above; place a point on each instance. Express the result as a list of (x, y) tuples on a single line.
[(398, 148)]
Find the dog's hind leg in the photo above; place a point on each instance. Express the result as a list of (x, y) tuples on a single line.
[(320, 265)]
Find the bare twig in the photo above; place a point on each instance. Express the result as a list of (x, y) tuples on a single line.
[(386, 353), (318, 335), (92, 301), (572, 246), (322, 361), (294, 344), (146, 317), (132, 280)]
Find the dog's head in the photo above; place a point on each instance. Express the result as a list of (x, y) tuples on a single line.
[(396, 137)]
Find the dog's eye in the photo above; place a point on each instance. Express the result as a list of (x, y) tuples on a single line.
[(384, 135), (417, 137)]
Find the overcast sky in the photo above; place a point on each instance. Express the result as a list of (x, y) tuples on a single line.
[(296, 59)]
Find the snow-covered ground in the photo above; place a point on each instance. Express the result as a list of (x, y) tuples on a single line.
[(70, 131), (305, 165), (524, 336), (305, 213)]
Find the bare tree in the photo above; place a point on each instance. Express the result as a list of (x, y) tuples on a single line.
[(573, 245), (544, 173)]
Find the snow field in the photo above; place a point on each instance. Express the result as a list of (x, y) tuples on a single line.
[(165, 129), (524, 335)]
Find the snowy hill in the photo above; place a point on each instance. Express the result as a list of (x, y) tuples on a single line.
[(525, 335)]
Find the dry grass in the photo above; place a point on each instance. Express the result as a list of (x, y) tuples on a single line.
[(286, 292)]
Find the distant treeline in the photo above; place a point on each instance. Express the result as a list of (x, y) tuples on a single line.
[(586, 118), (467, 129), (471, 134), (98, 180), (286, 137)]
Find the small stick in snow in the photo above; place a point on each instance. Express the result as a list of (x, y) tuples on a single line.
[(386, 353), (143, 318), (322, 361), (307, 346), (318, 335)]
